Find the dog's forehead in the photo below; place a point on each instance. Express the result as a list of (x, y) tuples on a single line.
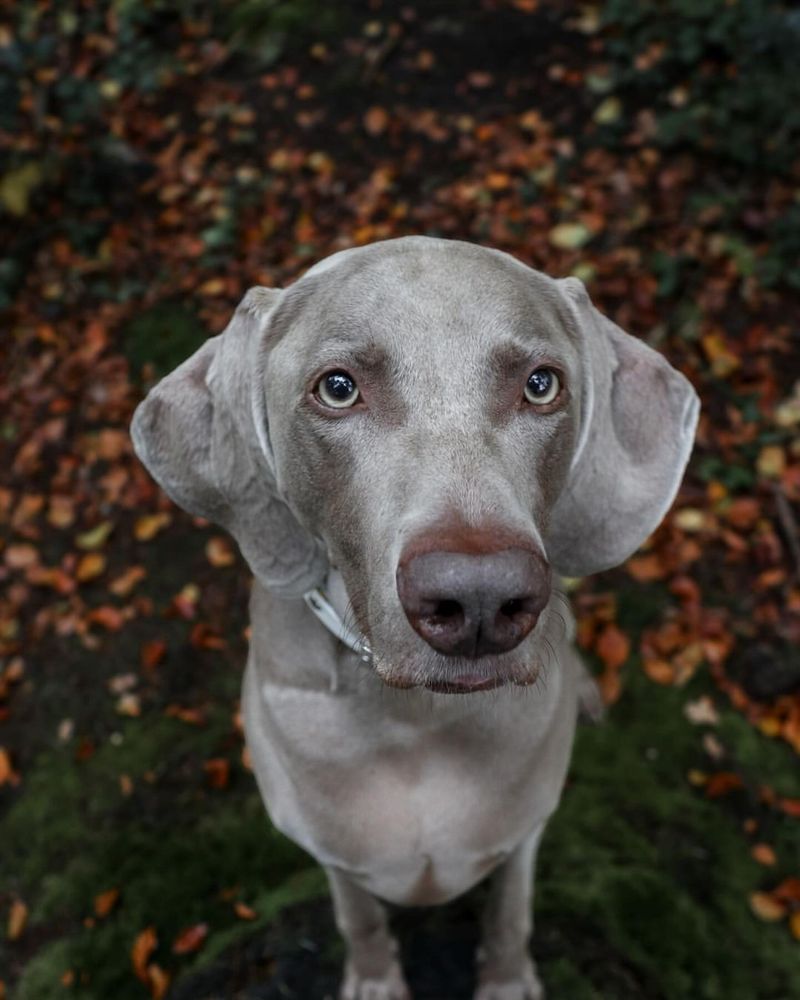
[(418, 291)]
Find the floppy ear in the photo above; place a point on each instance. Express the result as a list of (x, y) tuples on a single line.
[(202, 434), (637, 422)]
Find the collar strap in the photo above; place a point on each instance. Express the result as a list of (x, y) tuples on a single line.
[(317, 600)]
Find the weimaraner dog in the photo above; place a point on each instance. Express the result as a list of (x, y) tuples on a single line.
[(408, 444)]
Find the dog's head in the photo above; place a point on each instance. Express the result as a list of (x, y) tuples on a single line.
[(444, 425)]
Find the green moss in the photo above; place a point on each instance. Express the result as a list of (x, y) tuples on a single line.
[(643, 881)]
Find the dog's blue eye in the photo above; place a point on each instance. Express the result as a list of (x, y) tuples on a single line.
[(338, 390), (542, 387)]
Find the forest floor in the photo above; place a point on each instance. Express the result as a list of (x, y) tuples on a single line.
[(161, 158)]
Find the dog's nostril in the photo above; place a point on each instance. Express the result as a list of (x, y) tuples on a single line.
[(515, 607), (447, 611)]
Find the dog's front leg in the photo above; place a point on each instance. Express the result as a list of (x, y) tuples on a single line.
[(505, 968), (372, 971)]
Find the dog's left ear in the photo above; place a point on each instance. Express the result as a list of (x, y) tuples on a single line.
[(202, 434), (637, 422)]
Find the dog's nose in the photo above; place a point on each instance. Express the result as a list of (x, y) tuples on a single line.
[(472, 605)]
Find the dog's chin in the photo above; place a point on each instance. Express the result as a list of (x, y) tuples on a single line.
[(457, 675)]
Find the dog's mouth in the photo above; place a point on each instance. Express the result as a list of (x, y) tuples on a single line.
[(472, 678), (466, 684)]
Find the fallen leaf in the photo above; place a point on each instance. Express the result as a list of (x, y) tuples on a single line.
[(217, 772), (8, 776), (190, 939), (219, 551), (766, 907), (613, 646), (148, 526), (376, 120), (158, 981), (701, 712), (143, 947), (244, 912), (122, 585), (152, 653), (764, 854), (91, 566), (17, 919), (104, 902), (794, 924), (569, 235), (95, 537), (20, 556)]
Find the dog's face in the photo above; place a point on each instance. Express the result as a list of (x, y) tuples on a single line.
[(422, 418), (450, 425)]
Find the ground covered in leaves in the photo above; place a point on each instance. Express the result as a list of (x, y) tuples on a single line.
[(160, 158)]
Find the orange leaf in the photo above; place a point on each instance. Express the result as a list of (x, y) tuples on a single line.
[(794, 924), (8, 776), (190, 939), (764, 854), (143, 947), (17, 918), (152, 653), (721, 783), (219, 551), (105, 902), (659, 671), (158, 981), (244, 912), (218, 771), (124, 584), (766, 907), (788, 891), (376, 120), (613, 647), (644, 568), (21, 556), (90, 567), (148, 527)]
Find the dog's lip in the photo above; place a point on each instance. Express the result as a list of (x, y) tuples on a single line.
[(466, 684)]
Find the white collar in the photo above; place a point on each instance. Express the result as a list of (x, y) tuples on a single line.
[(317, 600)]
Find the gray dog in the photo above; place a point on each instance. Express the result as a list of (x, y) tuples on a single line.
[(407, 443)]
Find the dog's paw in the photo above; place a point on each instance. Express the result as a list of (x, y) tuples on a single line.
[(524, 987), (391, 986)]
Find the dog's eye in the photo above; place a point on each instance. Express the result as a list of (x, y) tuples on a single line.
[(542, 387), (338, 390)]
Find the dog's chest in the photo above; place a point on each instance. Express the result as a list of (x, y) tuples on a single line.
[(417, 808)]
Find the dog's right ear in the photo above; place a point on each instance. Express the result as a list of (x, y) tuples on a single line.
[(202, 435)]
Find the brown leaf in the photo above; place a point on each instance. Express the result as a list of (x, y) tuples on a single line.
[(122, 585), (218, 771), (721, 783), (148, 527), (613, 647), (764, 854), (91, 566), (794, 924), (243, 911), (645, 568), (17, 919), (104, 902), (190, 939), (219, 551), (21, 556), (766, 907), (8, 776), (152, 653), (158, 981), (376, 120), (143, 947)]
